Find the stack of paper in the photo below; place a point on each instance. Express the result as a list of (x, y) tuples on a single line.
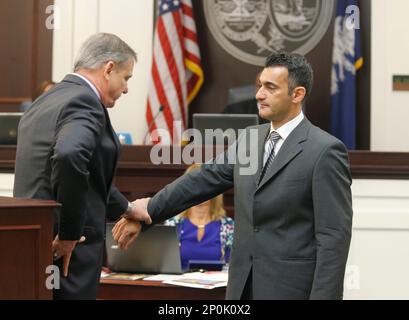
[(202, 280), (121, 276), (163, 277)]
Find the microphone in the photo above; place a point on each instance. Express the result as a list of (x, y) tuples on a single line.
[(152, 122)]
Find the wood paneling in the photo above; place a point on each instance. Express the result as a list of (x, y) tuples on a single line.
[(16, 39), (25, 247), (154, 290), (24, 239), (135, 162), (13, 100), (25, 58), (363, 112), (379, 165), (42, 46)]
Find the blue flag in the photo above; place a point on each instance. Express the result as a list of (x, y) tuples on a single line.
[(346, 61)]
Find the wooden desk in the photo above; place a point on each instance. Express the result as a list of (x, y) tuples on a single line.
[(135, 164), (26, 233), (154, 290)]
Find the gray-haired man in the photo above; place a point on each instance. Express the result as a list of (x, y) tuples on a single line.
[(67, 151)]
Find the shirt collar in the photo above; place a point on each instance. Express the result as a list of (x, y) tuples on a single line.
[(89, 83), (285, 130)]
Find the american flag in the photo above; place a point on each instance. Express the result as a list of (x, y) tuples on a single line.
[(176, 75)]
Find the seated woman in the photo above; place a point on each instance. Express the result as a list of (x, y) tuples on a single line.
[(205, 233)]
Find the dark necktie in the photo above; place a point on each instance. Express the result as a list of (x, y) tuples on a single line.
[(272, 141)]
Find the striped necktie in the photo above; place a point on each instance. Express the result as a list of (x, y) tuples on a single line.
[(269, 155)]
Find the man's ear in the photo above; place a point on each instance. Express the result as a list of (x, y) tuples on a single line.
[(298, 94), (108, 68)]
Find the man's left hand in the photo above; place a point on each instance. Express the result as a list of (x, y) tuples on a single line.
[(125, 232), (63, 249)]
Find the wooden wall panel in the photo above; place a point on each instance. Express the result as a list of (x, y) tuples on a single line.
[(25, 57), (16, 41), (24, 239), (26, 234)]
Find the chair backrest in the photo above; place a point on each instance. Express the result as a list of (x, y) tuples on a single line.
[(241, 93)]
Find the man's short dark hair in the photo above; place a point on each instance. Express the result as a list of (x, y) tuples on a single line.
[(300, 73)]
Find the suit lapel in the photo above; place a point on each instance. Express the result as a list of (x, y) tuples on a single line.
[(262, 136), (114, 137), (288, 151)]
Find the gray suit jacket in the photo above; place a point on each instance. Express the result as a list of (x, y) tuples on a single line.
[(293, 230)]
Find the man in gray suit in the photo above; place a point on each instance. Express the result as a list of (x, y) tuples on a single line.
[(67, 151), (293, 216)]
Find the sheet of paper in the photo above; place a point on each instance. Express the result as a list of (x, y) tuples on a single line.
[(121, 276), (163, 277), (202, 280)]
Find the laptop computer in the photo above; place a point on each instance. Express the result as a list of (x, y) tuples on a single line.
[(230, 124), (154, 251), (9, 127)]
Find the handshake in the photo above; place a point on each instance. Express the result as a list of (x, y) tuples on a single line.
[(128, 228)]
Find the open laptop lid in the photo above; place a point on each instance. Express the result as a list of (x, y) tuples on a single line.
[(154, 251), (9, 127)]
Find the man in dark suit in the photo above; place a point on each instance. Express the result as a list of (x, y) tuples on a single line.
[(67, 151), (293, 216)]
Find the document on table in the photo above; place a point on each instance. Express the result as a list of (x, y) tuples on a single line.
[(163, 277), (121, 276), (202, 280)]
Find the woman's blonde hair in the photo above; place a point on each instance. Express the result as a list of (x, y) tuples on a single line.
[(216, 204)]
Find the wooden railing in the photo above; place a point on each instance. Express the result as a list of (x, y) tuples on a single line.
[(135, 161)]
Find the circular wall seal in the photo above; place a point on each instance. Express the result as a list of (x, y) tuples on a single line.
[(250, 30)]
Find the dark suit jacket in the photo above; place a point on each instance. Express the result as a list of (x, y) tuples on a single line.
[(67, 151), (293, 229)]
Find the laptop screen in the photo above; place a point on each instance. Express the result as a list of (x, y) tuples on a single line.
[(9, 127), (154, 251)]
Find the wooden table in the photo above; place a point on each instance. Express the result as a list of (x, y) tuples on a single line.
[(26, 233), (154, 290)]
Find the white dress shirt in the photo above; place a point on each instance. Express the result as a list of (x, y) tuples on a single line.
[(89, 83), (284, 131)]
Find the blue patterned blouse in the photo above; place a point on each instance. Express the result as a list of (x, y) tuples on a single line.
[(216, 242)]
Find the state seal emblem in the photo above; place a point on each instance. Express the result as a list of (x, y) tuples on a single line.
[(251, 29)]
